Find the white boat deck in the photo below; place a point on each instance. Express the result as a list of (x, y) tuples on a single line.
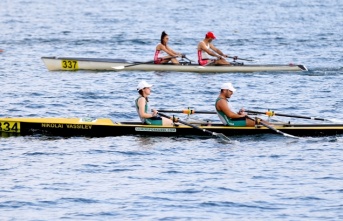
[(105, 64)]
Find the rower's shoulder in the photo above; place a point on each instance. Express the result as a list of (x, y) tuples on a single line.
[(160, 46), (221, 101), (140, 100), (201, 45)]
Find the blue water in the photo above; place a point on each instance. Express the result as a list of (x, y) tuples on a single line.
[(268, 177)]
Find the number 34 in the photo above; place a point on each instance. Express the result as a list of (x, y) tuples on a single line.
[(9, 127)]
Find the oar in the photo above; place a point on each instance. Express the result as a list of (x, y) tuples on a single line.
[(138, 63), (203, 66), (272, 113), (272, 128), (187, 111), (243, 59), (220, 135), (184, 56), (130, 65)]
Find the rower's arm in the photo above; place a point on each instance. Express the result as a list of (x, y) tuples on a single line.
[(223, 106), (141, 107), (168, 51), (217, 50), (210, 52), (176, 53)]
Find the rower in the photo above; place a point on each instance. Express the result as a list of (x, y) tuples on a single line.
[(164, 53), (226, 115), (142, 107), (206, 48)]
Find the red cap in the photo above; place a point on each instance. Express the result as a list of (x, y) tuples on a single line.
[(210, 35)]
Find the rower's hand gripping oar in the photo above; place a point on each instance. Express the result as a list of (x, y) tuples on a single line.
[(272, 113), (272, 128), (220, 135)]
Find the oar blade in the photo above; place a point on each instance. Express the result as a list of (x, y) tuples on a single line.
[(272, 128), (118, 67), (222, 136), (333, 120), (289, 135)]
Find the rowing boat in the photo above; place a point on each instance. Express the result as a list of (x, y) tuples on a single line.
[(104, 64), (102, 127)]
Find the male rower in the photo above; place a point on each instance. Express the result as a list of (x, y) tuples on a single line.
[(226, 115), (206, 48)]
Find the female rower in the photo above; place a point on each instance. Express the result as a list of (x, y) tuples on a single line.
[(143, 107), (164, 53)]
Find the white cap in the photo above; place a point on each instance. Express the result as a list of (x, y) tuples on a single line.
[(142, 85), (228, 86)]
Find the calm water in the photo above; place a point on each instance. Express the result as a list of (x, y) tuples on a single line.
[(268, 177)]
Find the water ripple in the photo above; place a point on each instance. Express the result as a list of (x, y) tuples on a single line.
[(262, 177)]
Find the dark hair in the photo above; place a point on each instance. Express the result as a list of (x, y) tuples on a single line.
[(141, 93), (162, 36)]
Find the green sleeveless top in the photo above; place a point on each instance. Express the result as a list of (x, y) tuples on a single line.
[(222, 116), (151, 121), (146, 108), (239, 122)]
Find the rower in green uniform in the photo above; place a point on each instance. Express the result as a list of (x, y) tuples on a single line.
[(226, 115), (142, 107)]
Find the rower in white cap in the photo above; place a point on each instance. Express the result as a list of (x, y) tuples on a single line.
[(144, 90), (226, 115)]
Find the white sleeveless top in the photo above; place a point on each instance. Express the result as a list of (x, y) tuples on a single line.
[(204, 54), (160, 53)]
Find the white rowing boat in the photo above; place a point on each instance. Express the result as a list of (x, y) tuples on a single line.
[(104, 64)]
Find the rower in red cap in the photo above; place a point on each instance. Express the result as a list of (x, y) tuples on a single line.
[(206, 48)]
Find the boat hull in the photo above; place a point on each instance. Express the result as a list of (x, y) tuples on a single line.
[(101, 64), (106, 127)]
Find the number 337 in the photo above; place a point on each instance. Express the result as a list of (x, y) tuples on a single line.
[(69, 64)]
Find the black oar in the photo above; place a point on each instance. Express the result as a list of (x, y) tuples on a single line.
[(243, 59), (184, 56), (187, 111), (130, 65), (203, 66), (220, 135), (138, 63), (272, 128), (272, 113)]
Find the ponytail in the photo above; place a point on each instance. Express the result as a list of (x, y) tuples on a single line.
[(162, 36)]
